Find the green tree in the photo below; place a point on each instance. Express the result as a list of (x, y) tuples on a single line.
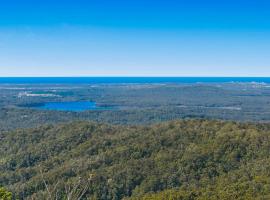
[(4, 194)]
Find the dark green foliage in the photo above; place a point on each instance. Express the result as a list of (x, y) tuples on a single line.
[(193, 159)]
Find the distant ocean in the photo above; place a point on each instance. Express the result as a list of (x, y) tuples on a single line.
[(123, 80)]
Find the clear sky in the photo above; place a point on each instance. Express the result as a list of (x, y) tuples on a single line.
[(134, 38)]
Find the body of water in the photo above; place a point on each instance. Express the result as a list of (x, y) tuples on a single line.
[(76, 106), (123, 80)]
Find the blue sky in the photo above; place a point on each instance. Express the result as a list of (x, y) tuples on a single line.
[(134, 38)]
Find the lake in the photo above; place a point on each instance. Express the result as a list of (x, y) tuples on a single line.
[(75, 106)]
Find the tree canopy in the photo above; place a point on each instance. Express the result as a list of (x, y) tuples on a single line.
[(188, 159)]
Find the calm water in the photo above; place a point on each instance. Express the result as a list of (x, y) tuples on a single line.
[(123, 80), (77, 106)]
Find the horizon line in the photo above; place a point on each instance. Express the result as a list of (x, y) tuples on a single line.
[(139, 76)]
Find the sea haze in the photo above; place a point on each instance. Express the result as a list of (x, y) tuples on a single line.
[(125, 80)]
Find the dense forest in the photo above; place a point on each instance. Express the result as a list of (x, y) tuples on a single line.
[(187, 160), (134, 103)]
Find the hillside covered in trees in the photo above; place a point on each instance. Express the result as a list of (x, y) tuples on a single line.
[(187, 160)]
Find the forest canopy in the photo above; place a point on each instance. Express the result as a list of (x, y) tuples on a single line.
[(187, 159)]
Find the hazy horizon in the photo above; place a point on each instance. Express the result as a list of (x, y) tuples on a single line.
[(133, 76)]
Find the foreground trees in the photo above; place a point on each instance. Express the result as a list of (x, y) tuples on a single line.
[(4, 194), (193, 159)]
